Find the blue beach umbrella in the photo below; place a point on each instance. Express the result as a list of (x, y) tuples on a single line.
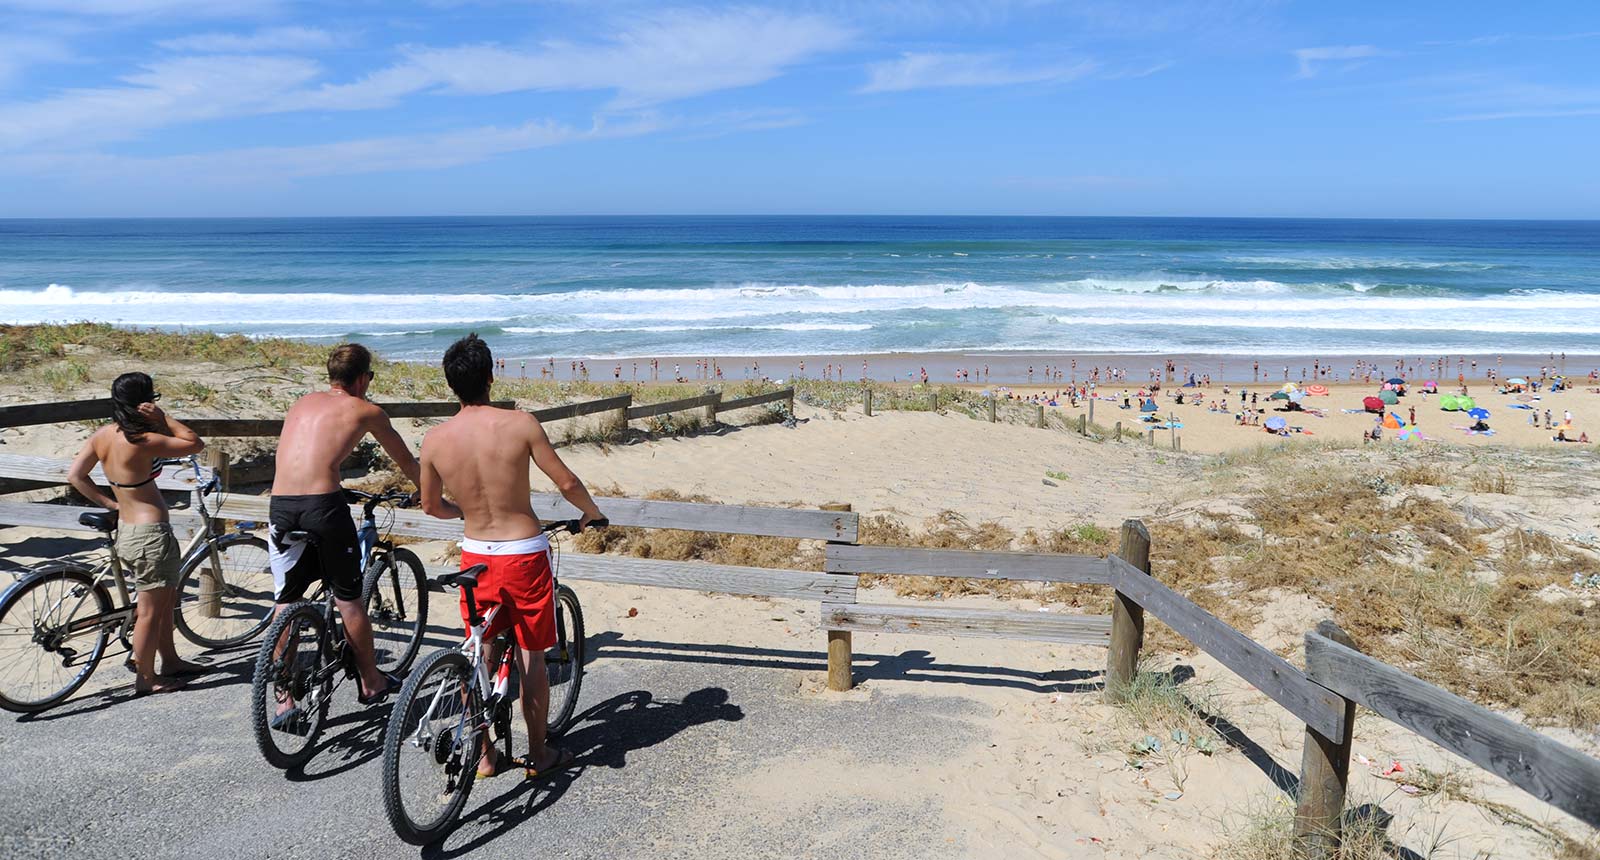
[(1479, 413), (1276, 422)]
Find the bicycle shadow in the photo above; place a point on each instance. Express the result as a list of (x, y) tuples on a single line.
[(355, 746), (604, 736), (235, 670)]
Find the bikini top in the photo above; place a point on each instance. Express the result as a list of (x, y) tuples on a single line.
[(155, 473)]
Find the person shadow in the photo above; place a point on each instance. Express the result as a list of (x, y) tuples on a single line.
[(604, 736)]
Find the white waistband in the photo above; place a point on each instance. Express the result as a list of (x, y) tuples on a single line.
[(523, 546)]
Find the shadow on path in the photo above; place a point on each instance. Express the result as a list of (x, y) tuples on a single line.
[(603, 736), (905, 666), (233, 669)]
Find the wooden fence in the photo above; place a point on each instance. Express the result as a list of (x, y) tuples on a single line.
[(991, 412), (1323, 697), (99, 410)]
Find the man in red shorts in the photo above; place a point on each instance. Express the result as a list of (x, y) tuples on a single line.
[(481, 456)]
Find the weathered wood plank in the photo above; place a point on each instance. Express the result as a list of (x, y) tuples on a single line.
[(234, 427), (53, 470), (1034, 567), (724, 519), (574, 410), (1556, 774), (1324, 778), (958, 621), (1250, 660), (650, 409), (65, 517), (1127, 616), (695, 576), (28, 414), (434, 409), (755, 400)]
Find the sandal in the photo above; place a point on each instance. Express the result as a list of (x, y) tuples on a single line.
[(392, 686), (564, 760)]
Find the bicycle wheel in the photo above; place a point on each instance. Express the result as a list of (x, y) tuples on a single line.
[(43, 660), (564, 662), (292, 668), (430, 750), (242, 607), (396, 590)]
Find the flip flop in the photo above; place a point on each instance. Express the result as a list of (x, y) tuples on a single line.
[(196, 672), (393, 686), (292, 722), (564, 760)]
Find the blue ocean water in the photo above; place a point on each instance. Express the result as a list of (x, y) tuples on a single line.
[(620, 286)]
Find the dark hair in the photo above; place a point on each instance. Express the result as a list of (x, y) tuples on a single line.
[(469, 368), (127, 393), (348, 363)]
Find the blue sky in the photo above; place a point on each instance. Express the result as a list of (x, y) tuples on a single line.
[(1212, 107)]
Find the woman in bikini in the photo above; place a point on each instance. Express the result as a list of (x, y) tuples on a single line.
[(128, 447)]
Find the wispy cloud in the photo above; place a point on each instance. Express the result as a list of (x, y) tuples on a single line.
[(1499, 38), (133, 8), (673, 56), (1311, 60), (916, 71), (19, 52), (269, 39)]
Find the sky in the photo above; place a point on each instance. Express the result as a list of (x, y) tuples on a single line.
[(1026, 107)]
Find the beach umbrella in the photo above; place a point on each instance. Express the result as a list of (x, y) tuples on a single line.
[(1516, 380), (1317, 390), (1465, 403), (1389, 397), (1288, 387), (1449, 402), (1276, 422), (1478, 413), (1396, 381), (1278, 395), (1296, 396), (1148, 406), (1409, 432), (1392, 421), (1372, 404)]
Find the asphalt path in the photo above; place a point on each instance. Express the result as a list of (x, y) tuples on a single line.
[(664, 733)]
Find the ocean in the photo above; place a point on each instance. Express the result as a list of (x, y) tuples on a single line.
[(757, 286)]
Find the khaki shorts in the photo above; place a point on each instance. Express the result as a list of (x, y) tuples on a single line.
[(150, 555)]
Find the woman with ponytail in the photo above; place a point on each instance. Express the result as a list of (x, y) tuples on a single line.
[(139, 434)]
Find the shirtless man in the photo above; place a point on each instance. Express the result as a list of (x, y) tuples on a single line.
[(139, 434), (320, 431), (481, 456)]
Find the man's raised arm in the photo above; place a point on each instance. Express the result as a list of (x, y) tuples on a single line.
[(572, 489)]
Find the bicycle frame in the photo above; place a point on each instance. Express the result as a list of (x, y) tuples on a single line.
[(473, 648)]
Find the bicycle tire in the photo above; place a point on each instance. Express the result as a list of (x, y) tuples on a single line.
[(444, 755), (20, 598), (297, 676), (564, 663), (247, 601), (395, 591)]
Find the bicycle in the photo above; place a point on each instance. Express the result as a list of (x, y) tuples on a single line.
[(305, 655), (431, 747), (64, 612)]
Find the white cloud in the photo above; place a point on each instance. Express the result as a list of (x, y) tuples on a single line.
[(270, 39), (172, 91), (19, 52), (1310, 58), (915, 71), (673, 56)]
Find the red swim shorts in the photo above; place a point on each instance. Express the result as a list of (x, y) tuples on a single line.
[(520, 586)]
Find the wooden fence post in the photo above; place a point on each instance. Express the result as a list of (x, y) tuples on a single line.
[(1127, 616), (1324, 776), (1039, 417), (210, 601), (841, 675), (1117, 432), (1091, 410), (866, 402), (1152, 437), (933, 401), (991, 409), (1083, 425), (710, 417), (790, 401)]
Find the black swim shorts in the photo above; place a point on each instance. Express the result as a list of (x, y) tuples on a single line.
[(334, 559)]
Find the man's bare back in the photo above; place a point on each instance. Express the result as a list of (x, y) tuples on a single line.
[(481, 456), (320, 431)]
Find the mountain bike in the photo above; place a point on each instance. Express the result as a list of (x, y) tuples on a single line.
[(57, 620), (460, 698), (305, 655)]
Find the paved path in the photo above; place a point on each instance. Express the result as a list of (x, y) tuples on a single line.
[(666, 742)]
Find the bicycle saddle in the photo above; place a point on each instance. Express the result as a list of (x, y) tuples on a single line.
[(100, 521), (465, 578)]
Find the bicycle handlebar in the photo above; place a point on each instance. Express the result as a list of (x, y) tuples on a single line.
[(572, 526)]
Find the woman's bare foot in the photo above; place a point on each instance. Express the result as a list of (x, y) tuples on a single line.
[(489, 764), (157, 684)]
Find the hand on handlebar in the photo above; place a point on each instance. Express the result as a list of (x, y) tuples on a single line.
[(588, 522)]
